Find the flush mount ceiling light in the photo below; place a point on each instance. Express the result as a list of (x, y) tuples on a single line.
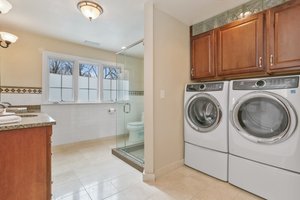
[(5, 6), (89, 9), (7, 39)]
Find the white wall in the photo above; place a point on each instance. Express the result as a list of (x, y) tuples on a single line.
[(79, 122), (21, 99), (149, 91), (21, 66), (166, 73)]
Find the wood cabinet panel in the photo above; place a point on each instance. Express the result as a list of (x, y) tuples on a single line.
[(202, 56), (25, 164), (284, 37), (261, 44), (240, 47)]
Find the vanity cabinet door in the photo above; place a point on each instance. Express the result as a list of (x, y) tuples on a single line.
[(25, 164), (202, 56), (240, 47), (284, 38)]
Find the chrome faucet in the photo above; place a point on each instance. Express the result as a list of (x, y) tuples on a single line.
[(5, 104)]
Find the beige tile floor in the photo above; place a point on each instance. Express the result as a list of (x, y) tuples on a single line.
[(90, 172)]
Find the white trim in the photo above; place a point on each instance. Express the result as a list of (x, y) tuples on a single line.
[(57, 148), (68, 56), (77, 103), (148, 177), (77, 60), (166, 169)]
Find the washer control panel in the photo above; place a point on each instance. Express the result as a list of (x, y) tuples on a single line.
[(198, 87), (267, 83)]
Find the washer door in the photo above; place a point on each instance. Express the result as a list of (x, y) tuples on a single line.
[(203, 112), (264, 117)]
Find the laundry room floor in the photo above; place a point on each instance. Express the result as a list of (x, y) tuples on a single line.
[(88, 171)]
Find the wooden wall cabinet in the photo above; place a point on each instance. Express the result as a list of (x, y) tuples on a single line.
[(261, 44), (240, 47), (283, 39), (25, 164), (202, 56)]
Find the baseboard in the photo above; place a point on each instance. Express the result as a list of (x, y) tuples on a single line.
[(166, 169), (148, 177), (61, 147)]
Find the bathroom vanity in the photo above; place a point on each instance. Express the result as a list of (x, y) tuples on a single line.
[(25, 158)]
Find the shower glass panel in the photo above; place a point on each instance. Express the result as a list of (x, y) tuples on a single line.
[(130, 101)]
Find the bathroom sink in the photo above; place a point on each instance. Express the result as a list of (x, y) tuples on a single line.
[(28, 115), (16, 109)]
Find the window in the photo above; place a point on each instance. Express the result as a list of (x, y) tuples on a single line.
[(115, 84), (110, 77), (75, 79), (123, 86), (60, 79), (88, 82)]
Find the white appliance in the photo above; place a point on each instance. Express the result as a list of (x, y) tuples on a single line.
[(205, 128), (264, 136), (136, 131)]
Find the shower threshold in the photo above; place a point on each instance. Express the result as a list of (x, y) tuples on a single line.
[(124, 154)]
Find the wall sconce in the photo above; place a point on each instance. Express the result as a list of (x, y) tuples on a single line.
[(89, 9), (5, 6), (7, 39)]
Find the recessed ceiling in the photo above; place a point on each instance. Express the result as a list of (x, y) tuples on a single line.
[(121, 24)]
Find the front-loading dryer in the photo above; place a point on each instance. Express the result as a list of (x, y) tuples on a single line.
[(205, 128), (264, 136)]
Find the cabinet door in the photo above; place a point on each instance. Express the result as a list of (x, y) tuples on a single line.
[(202, 56), (240, 47), (25, 164), (284, 37)]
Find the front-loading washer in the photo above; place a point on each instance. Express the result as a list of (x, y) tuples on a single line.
[(264, 136), (205, 128)]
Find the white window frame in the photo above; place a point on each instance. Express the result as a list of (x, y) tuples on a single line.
[(77, 60), (99, 89)]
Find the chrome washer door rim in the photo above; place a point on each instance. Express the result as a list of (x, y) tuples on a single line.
[(291, 122), (218, 110)]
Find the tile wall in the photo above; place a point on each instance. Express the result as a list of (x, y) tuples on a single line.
[(251, 7)]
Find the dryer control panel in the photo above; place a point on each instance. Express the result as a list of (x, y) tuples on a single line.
[(267, 83), (198, 87)]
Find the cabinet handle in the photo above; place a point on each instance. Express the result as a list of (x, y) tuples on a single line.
[(271, 60), (192, 72), (260, 62)]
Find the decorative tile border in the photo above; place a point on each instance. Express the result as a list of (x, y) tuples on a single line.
[(20, 90), (249, 8), (37, 90), (136, 93)]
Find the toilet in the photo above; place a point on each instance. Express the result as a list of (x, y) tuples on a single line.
[(136, 131)]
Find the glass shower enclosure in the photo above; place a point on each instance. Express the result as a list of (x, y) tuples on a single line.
[(130, 103)]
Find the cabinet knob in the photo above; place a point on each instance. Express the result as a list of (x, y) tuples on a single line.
[(260, 62), (271, 60), (192, 72)]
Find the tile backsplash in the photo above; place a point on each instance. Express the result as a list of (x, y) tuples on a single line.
[(251, 7), (20, 90)]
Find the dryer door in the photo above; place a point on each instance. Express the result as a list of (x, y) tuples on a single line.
[(264, 117), (203, 112)]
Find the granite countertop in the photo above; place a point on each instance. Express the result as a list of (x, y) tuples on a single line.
[(29, 120)]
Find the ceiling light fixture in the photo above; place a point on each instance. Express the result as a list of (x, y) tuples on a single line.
[(89, 9), (7, 39), (5, 6)]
